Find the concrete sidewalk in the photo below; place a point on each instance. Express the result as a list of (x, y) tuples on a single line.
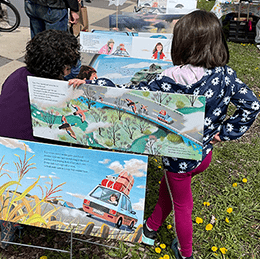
[(12, 44)]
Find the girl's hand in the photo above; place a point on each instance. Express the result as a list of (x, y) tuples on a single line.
[(76, 82), (215, 139)]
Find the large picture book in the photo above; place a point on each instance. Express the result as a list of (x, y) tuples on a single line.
[(86, 191), (123, 45), (119, 119)]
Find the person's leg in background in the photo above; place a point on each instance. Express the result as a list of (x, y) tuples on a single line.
[(45, 18), (36, 23), (257, 37)]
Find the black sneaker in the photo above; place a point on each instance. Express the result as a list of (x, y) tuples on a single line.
[(148, 236), (176, 251)]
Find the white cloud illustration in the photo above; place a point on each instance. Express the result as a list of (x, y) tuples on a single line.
[(15, 143)]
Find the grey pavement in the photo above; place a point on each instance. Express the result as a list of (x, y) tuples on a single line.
[(12, 44)]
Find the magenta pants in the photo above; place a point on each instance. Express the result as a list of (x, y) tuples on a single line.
[(180, 186)]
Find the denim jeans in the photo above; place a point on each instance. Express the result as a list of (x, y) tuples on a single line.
[(45, 18), (257, 37)]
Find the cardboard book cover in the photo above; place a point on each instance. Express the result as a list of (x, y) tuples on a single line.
[(86, 191), (120, 119)]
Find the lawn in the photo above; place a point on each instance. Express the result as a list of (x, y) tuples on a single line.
[(226, 214)]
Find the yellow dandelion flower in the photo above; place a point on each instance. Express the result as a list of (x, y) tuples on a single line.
[(209, 227), (43, 257), (234, 184), (160, 257), (199, 220), (215, 254), (155, 160), (227, 220), (256, 68), (214, 248), (169, 226), (163, 246), (229, 210), (158, 250), (159, 166), (159, 182), (206, 203), (223, 250), (244, 180), (166, 257)]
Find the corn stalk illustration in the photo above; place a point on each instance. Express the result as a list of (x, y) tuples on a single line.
[(17, 207)]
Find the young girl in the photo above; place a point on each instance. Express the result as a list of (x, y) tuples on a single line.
[(200, 54), (158, 51)]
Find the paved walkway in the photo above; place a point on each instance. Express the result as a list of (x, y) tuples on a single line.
[(12, 44)]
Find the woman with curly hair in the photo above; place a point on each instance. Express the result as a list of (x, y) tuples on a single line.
[(50, 54)]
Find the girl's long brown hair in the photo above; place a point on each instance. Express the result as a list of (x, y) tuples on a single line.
[(198, 40)]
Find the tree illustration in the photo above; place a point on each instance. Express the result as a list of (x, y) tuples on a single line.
[(142, 125), (192, 99), (89, 94), (160, 97), (99, 115), (112, 131), (151, 147), (49, 117), (119, 107), (129, 126)]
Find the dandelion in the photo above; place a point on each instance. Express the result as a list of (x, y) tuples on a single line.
[(159, 166), (244, 180), (158, 250), (223, 250), (155, 160), (214, 248), (163, 246), (199, 220), (159, 182), (206, 203), (169, 226), (229, 210), (209, 227), (256, 68), (43, 257), (166, 257), (227, 220), (234, 184)]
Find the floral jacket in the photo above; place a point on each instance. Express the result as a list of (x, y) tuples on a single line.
[(220, 86)]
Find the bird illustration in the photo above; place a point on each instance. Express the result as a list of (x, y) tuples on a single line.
[(65, 125), (79, 112), (144, 108), (131, 103)]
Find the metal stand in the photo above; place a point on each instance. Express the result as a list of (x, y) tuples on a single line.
[(59, 250)]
